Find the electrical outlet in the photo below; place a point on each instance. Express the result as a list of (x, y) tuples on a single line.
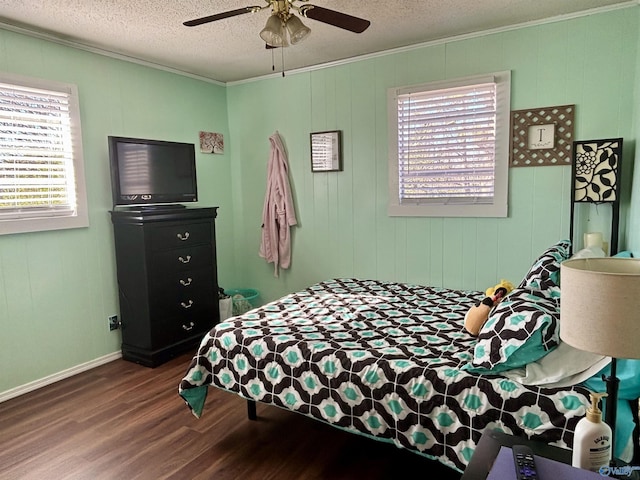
[(113, 322)]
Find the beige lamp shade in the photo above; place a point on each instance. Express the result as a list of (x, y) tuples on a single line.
[(600, 305)]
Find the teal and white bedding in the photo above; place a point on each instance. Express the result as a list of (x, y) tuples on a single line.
[(387, 360)]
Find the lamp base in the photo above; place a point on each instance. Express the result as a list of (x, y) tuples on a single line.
[(611, 409)]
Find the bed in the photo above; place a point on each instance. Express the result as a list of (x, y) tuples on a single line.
[(393, 362)]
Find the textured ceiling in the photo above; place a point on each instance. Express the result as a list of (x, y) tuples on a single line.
[(231, 49)]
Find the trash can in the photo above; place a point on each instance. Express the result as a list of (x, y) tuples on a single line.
[(225, 304), (244, 299)]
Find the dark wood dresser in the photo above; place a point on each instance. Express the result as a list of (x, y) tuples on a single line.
[(167, 280)]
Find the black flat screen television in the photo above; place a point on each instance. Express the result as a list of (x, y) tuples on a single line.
[(152, 172)]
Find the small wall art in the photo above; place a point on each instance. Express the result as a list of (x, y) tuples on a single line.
[(542, 136), (596, 165), (326, 151), (596, 179), (211, 142)]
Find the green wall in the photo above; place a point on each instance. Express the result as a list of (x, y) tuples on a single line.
[(344, 228), (57, 288)]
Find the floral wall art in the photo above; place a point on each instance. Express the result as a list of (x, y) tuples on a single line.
[(211, 142)]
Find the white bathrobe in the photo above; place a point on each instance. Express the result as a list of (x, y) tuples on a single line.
[(278, 213)]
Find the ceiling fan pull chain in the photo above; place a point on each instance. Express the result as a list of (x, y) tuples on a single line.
[(282, 50)]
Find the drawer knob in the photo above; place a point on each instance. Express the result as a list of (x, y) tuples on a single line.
[(183, 236), (188, 327), (186, 259), (187, 282), (189, 304)]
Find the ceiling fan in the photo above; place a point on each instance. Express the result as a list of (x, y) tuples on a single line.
[(283, 22)]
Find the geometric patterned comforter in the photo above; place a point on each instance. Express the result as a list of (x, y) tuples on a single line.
[(380, 359)]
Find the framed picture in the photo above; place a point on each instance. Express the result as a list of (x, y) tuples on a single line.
[(211, 142), (542, 136), (326, 151), (596, 166), (595, 179)]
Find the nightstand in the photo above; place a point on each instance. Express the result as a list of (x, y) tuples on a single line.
[(489, 446)]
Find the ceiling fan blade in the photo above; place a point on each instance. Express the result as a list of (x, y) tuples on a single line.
[(337, 19), (220, 16)]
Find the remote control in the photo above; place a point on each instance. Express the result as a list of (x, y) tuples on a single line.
[(525, 464)]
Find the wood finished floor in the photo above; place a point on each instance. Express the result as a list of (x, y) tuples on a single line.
[(125, 421)]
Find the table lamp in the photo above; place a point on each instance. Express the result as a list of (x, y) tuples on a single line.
[(600, 313)]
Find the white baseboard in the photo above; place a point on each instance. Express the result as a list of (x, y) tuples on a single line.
[(56, 377)]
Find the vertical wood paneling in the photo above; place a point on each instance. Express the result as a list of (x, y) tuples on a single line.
[(345, 233), (483, 55), (469, 254), (515, 235), (423, 66), (552, 80), (488, 268), (453, 251), (547, 216), (365, 195), (418, 265), (522, 58), (436, 252), (576, 62), (391, 232), (603, 67), (322, 101), (550, 64), (344, 229), (58, 287)]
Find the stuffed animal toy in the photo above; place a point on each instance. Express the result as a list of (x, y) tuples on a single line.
[(478, 314)]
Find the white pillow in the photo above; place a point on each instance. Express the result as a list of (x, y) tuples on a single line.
[(561, 367)]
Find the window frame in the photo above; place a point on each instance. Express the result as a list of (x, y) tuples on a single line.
[(432, 208), (30, 220)]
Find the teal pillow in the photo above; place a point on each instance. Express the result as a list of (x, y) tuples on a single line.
[(530, 351), (523, 328)]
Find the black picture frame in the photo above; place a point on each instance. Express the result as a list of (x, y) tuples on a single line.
[(596, 170), (595, 179), (326, 151)]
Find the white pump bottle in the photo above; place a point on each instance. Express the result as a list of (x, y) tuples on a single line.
[(592, 438)]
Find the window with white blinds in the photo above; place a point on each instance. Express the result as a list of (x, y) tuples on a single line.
[(448, 155), (41, 174)]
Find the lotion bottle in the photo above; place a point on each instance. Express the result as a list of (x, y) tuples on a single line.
[(592, 439)]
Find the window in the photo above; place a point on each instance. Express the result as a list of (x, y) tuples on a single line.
[(449, 148), (41, 169)]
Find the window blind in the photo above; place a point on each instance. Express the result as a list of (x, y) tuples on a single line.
[(446, 145), (36, 152)]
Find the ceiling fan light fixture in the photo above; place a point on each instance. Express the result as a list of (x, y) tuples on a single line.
[(273, 32), (298, 31)]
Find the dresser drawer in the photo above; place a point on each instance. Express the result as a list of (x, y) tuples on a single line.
[(182, 259), (185, 302), (176, 236), (183, 281), (175, 329)]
